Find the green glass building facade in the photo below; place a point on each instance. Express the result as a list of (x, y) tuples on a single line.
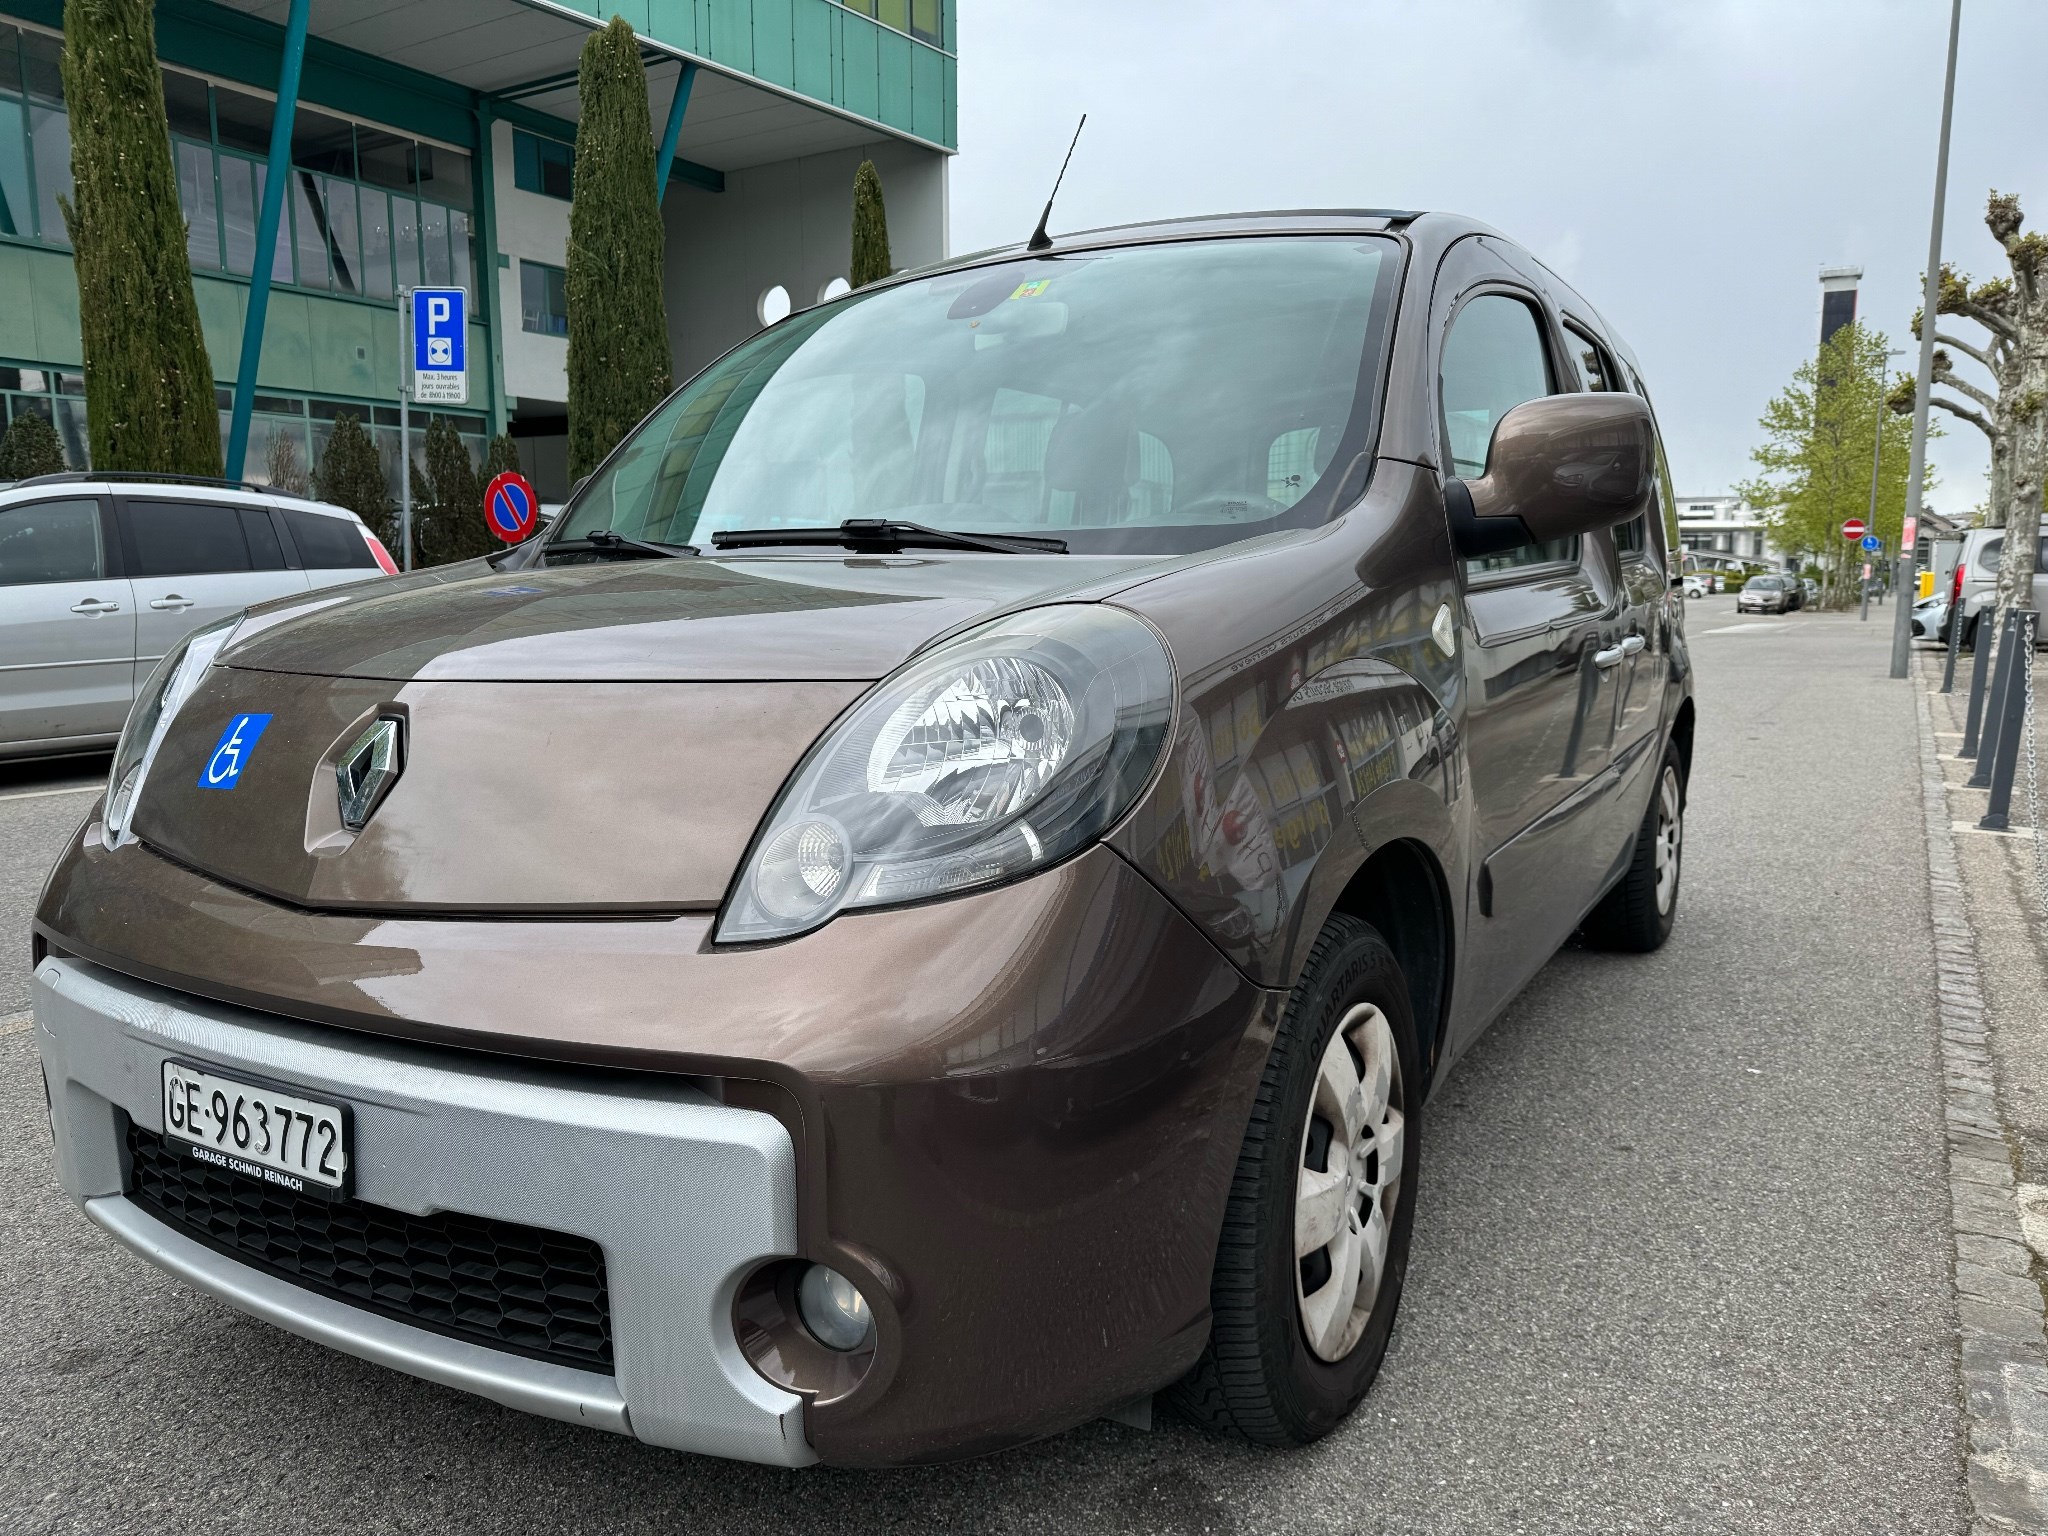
[(432, 145)]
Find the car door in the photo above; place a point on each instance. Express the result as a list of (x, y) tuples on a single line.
[(67, 623), (1537, 620), (194, 560)]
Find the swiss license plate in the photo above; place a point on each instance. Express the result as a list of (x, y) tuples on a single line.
[(281, 1138)]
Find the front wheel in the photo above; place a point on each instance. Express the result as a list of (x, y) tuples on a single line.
[(1315, 1237), (1639, 912)]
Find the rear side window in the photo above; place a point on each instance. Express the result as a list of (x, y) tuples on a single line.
[(185, 538), (265, 552), (329, 543), (51, 541)]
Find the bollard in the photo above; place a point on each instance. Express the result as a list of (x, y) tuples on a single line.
[(1953, 648), (2003, 677), (2012, 723), (1980, 666)]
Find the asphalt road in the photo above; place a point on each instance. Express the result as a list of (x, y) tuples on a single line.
[(1681, 1262)]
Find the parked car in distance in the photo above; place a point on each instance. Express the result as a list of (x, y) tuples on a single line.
[(101, 576), (1930, 617), (1973, 585), (1809, 592), (1696, 586), (1767, 594), (935, 909)]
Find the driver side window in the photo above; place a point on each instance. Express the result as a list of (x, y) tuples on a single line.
[(1493, 360)]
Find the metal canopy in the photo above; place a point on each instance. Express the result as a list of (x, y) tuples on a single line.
[(497, 47)]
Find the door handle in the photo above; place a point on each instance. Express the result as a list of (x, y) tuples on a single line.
[(171, 601), (95, 605), (1611, 657), (1631, 645)]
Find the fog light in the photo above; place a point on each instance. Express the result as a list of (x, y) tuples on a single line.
[(833, 1310)]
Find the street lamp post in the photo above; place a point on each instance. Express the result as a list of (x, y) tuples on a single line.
[(1916, 464)]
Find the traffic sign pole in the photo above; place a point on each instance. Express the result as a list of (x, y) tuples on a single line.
[(405, 430)]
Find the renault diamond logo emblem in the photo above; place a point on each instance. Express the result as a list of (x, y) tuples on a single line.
[(368, 768)]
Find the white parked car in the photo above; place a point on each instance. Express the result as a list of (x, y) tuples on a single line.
[(100, 575), (1696, 586)]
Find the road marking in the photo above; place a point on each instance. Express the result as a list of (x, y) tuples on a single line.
[(39, 794), (1746, 629), (17, 1024)]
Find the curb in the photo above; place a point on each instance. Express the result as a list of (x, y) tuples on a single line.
[(2004, 1354)]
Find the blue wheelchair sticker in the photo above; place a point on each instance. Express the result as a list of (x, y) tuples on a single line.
[(231, 753)]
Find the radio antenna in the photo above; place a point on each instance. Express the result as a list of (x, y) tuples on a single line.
[(1040, 240)]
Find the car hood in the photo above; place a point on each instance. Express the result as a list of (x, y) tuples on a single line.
[(598, 739), (684, 620)]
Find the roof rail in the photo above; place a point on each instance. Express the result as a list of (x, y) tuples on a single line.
[(77, 476)]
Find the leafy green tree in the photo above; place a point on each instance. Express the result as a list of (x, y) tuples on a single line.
[(148, 384), (1814, 464), (870, 228), (31, 447), (619, 366), (351, 475)]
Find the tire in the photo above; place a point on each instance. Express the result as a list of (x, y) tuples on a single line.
[(1638, 914), (1261, 1377)]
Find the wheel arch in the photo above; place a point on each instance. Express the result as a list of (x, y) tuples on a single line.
[(1401, 891), (1681, 737)]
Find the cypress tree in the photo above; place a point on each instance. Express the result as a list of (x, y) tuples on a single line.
[(350, 475), (619, 366), (30, 447), (870, 228), (148, 385), (449, 526)]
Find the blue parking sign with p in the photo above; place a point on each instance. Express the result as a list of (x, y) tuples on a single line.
[(440, 328), (230, 755)]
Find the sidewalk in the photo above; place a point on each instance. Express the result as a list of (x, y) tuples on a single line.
[(1990, 909)]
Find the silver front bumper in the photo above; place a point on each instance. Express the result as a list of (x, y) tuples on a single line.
[(685, 1196)]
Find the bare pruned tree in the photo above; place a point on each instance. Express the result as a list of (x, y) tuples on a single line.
[(2012, 312)]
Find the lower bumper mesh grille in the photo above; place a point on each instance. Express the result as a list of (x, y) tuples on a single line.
[(535, 1293)]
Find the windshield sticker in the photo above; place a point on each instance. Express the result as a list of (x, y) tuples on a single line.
[(1032, 289), (231, 753)]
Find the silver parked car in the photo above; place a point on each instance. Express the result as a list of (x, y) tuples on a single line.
[(1973, 586), (101, 575)]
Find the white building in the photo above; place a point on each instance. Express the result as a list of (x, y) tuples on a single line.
[(1725, 532)]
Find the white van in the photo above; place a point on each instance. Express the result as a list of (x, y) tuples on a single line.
[(1975, 582)]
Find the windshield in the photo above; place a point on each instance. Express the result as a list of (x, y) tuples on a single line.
[(1157, 398), (1765, 583)]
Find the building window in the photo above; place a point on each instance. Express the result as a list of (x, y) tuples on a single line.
[(59, 398), (922, 19), (541, 165), (543, 299)]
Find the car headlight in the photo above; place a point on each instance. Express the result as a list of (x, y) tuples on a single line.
[(156, 706), (995, 754)]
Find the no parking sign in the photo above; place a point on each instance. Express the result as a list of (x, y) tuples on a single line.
[(510, 507)]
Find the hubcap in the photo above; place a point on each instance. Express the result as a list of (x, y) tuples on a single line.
[(1670, 837), (1349, 1180)]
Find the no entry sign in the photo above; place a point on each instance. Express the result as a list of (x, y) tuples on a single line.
[(1853, 528), (510, 506)]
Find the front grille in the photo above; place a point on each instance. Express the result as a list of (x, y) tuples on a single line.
[(516, 1288)]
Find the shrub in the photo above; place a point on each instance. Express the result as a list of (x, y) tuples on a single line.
[(31, 447)]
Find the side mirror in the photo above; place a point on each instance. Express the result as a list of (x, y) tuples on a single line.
[(1557, 466)]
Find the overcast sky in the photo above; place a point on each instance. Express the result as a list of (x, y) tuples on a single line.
[(1689, 165)]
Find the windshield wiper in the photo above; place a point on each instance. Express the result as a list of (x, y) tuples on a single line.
[(874, 535), (605, 542)]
